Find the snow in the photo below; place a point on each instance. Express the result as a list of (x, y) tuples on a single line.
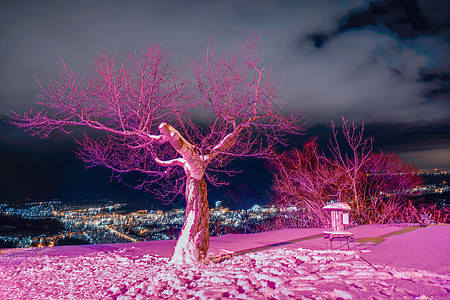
[(185, 250), (285, 264)]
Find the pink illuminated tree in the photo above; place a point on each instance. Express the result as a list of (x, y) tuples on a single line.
[(350, 155), (308, 180), (176, 130), (376, 185), (388, 186)]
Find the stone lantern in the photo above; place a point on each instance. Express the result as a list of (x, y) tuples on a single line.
[(339, 215), (339, 222)]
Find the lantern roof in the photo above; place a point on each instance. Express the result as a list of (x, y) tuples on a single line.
[(341, 206)]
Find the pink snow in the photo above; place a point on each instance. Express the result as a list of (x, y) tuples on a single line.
[(388, 262)]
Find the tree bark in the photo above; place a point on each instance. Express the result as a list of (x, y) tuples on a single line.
[(193, 242)]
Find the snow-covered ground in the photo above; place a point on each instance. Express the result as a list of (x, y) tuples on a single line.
[(390, 262)]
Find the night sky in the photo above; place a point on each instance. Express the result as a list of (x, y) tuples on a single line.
[(386, 63)]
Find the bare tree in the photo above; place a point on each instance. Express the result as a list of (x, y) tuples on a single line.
[(376, 185), (388, 187), (175, 131), (352, 161), (308, 180)]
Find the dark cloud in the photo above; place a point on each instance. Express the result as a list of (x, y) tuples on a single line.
[(34, 33), (362, 73), (387, 61), (407, 19), (382, 62), (410, 137), (428, 159), (395, 137), (403, 17), (426, 145), (438, 85)]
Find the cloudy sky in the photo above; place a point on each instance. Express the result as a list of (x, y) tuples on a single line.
[(386, 63)]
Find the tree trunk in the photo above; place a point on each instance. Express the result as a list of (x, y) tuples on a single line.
[(193, 242)]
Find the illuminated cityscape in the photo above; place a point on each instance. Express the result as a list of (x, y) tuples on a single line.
[(434, 172), (106, 223), (47, 224), (432, 188)]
